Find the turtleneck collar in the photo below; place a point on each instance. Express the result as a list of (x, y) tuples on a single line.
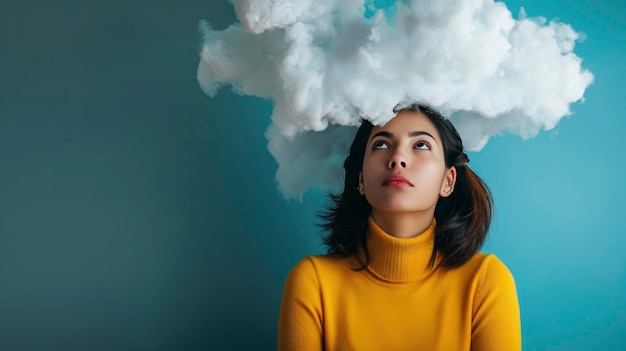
[(400, 260)]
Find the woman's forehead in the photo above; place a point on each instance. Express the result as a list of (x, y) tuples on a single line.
[(406, 122)]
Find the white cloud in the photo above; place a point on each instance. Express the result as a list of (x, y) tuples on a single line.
[(324, 63)]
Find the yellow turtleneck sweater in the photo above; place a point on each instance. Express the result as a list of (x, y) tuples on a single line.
[(398, 303)]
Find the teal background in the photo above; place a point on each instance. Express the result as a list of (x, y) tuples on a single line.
[(136, 213)]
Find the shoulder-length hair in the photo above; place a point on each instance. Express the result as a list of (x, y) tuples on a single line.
[(463, 218)]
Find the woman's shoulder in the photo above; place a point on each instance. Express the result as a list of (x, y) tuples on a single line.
[(480, 260), (488, 267), (322, 266), (493, 261), (322, 262)]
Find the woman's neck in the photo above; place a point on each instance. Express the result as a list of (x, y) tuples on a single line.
[(404, 224)]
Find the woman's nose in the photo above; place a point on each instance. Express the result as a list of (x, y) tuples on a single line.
[(398, 160)]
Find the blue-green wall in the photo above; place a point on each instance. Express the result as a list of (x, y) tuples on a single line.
[(138, 214)]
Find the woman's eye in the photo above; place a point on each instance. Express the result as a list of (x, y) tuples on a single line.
[(380, 145), (421, 145)]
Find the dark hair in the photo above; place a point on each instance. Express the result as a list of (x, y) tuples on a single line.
[(463, 218)]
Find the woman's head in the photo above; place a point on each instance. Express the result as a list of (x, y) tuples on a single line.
[(417, 144), (404, 168)]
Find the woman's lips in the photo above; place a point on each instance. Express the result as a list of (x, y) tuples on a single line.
[(396, 180)]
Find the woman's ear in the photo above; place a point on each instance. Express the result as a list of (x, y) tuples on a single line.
[(447, 186), (361, 185)]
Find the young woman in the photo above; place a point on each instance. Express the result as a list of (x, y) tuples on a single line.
[(403, 271)]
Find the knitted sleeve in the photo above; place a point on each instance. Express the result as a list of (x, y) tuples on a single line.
[(496, 317), (300, 321)]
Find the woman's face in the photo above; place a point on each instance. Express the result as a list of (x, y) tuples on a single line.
[(404, 167)]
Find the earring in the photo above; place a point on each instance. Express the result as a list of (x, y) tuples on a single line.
[(359, 189), (449, 190)]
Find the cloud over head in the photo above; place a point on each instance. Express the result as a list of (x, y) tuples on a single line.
[(328, 64)]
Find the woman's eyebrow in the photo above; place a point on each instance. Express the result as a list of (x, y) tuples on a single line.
[(421, 132), (383, 134), (411, 134)]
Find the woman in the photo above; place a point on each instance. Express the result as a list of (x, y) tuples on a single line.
[(403, 271)]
